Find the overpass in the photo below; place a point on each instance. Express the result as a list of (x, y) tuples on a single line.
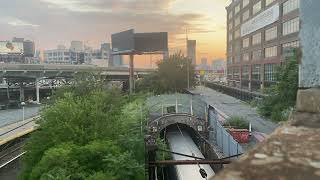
[(35, 75), (33, 71)]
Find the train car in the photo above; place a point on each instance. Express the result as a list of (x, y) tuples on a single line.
[(181, 142)]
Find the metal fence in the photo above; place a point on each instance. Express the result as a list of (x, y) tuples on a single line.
[(176, 103), (219, 136), (190, 104), (235, 92)]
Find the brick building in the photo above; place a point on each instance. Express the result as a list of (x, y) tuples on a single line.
[(258, 34)]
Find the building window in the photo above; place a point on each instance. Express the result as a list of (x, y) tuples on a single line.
[(237, 59), (230, 26), (245, 3), (256, 8), (230, 36), (229, 71), (237, 34), (245, 72), (271, 51), (293, 44), (237, 47), (245, 57), (237, 9), (271, 33), (245, 15), (245, 42), (230, 49), (229, 60), (236, 73), (290, 26), (290, 5), (256, 70), (237, 21), (268, 2), (256, 39), (230, 16), (256, 55), (270, 72)]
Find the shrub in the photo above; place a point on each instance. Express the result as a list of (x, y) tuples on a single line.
[(237, 122)]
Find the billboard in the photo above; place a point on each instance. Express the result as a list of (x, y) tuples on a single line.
[(263, 19), (123, 41), (151, 42), (7, 47)]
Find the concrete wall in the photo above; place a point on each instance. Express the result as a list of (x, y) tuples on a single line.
[(310, 40)]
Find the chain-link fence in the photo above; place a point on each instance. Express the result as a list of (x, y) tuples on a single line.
[(220, 136)]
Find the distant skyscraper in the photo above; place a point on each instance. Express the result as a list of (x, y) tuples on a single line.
[(28, 48), (191, 50), (15, 39), (204, 61)]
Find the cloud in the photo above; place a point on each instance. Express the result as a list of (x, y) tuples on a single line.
[(106, 6), (18, 22), (60, 21)]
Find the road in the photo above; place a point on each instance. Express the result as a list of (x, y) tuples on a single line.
[(14, 115), (235, 107)]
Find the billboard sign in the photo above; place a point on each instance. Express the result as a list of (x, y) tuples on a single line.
[(151, 42), (123, 41), (7, 47), (263, 19)]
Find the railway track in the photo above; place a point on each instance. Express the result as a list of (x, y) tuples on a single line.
[(12, 151)]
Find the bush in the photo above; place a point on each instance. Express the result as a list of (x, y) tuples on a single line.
[(282, 96), (237, 122)]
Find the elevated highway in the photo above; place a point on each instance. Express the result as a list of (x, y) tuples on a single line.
[(24, 76), (33, 71)]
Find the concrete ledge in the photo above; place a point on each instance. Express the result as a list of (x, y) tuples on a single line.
[(309, 100)]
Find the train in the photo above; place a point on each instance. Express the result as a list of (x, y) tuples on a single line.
[(181, 142)]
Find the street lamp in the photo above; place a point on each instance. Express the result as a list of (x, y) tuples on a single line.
[(23, 104)]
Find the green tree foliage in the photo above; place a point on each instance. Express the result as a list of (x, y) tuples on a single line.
[(171, 76), (89, 133), (282, 96)]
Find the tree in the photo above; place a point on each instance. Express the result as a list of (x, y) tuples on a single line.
[(86, 132), (281, 98), (171, 76)]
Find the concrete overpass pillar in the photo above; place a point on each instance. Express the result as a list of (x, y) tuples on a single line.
[(22, 98), (37, 90), (131, 74)]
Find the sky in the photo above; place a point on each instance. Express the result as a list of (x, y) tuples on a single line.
[(53, 22)]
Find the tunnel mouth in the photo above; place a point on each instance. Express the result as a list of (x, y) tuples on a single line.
[(183, 127)]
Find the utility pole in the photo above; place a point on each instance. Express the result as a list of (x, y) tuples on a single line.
[(188, 73)]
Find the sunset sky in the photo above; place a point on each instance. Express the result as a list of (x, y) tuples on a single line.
[(53, 22)]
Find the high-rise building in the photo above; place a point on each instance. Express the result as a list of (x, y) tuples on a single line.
[(191, 50), (17, 51), (218, 65), (258, 34), (76, 46), (28, 48), (57, 56)]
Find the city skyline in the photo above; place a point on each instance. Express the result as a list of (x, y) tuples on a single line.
[(51, 23)]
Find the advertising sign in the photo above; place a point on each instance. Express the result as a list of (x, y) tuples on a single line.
[(151, 42), (7, 47), (123, 41), (263, 19)]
